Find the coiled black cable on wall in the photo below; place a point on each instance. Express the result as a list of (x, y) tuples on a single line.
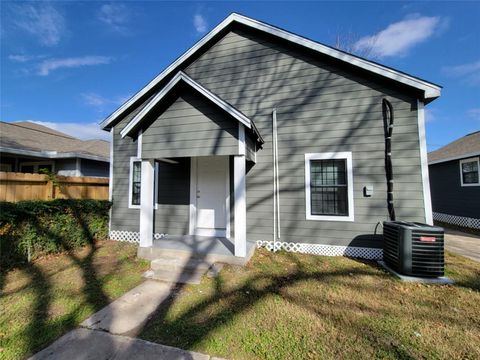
[(387, 111)]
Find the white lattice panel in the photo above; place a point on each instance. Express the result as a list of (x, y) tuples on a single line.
[(129, 236), (325, 250), (457, 220)]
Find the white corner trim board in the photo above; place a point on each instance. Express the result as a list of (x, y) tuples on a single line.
[(346, 155), (324, 250), (181, 76), (430, 90), (427, 199)]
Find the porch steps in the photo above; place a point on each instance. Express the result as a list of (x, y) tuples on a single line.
[(178, 269)]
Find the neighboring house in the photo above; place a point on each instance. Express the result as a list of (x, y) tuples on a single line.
[(28, 147), (195, 151), (455, 181)]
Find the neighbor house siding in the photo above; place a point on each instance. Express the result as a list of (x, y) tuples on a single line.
[(320, 108), (448, 196), (191, 126)]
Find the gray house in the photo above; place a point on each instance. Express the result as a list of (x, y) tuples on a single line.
[(29, 147), (455, 181), (259, 136)]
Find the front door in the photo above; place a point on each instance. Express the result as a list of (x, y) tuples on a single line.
[(211, 196)]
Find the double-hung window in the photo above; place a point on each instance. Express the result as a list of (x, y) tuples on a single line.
[(469, 171), (135, 182), (329, 186)]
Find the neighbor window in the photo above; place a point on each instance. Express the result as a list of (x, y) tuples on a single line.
[(328, 186), (135, 182), (469, 169)]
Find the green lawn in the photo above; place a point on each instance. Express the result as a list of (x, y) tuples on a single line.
[(42, 301), (290, 306)]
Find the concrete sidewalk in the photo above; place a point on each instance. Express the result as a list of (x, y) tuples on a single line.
[(94, 344), (464, 244), (102, 335)]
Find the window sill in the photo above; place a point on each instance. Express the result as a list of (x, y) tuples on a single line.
[(330, 218)]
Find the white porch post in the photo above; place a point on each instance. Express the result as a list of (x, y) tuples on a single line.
[(146, 203), (240, 207)]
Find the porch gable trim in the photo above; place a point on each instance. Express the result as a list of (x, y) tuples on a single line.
[(181, 76)]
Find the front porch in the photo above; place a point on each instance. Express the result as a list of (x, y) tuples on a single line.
[(208, 249)]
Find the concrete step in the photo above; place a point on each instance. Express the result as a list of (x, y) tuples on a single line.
[(166, 263), (176, 276)]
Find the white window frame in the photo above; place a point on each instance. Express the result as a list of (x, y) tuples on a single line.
[(130, 183), (347, 155), (461, 162)]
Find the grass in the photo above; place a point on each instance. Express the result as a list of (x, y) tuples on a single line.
[(284, 306), (41, 301)]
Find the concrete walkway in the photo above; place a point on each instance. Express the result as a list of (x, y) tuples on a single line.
[(464, 244), (102, 336)]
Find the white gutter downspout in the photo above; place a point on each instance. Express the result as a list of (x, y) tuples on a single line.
[(276, 187)]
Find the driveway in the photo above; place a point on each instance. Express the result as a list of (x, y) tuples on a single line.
[(464, 244)]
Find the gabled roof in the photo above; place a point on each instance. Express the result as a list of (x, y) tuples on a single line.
[(430, 90), (181, 77), (462, 148), (30, 139)]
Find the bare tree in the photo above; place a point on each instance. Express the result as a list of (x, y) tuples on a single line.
[(352, 43)]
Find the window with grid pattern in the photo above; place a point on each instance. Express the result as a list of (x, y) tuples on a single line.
[(136, 182), (470, 172), (329, 187)]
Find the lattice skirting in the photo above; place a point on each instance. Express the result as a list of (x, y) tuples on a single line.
[(457, 220), (130, 236), (326, 250)]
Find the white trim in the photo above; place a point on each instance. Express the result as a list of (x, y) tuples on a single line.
[(240, 207), (78, 167), (227, 201), (458, 157), (347, 155), (35, 165), (431, 90), (52, 154), (155, 184), (181, 76), (130, 183), (461, 171), (241, 139), (324, 250), (427, 199), (193, 196), (146, 203), (139, 144), (110, 171), (169, 161)]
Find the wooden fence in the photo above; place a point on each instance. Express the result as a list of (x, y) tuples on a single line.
[(19, 186)]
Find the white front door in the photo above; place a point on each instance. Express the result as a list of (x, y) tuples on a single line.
[(211, 196)]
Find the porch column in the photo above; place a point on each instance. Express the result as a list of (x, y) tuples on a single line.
[(240, 207), (146, 203)]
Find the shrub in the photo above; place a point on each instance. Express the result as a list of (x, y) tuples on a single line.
[(33, 228)]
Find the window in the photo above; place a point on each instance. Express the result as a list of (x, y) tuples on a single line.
[(469, 169), (135, 182), (36, 167), (329, 186)]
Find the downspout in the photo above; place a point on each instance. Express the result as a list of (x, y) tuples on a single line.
[(387, 112), (276, 187)]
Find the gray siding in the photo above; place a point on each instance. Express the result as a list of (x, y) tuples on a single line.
[(191, 126), (172, 213), (66, 167), (320, 108), (448, 195)]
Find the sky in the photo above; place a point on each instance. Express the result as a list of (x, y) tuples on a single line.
[(69, 64)]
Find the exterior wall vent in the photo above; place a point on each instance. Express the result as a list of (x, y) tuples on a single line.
[(414, 249)]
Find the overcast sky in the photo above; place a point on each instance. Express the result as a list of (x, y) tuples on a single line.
[(70, 64)]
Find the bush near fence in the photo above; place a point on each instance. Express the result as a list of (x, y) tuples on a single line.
[(19, 186), (32, 228)]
